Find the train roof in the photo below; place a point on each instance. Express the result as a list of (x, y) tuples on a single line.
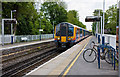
[(74, 25)]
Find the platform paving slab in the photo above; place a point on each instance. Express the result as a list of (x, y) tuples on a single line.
[(81, 67)]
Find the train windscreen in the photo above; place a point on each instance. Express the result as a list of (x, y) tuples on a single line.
[(63, 29)]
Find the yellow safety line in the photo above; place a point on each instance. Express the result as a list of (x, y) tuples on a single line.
[(65, 73)]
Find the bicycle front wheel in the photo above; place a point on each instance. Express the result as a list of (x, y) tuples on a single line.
[(89, 55)]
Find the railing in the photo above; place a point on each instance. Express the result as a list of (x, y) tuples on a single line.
[(20, 38), (111, 39)]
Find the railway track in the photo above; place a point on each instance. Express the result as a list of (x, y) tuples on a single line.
[(17, 50), (21, 57), (17, 56), (16, 62), (21, 68)]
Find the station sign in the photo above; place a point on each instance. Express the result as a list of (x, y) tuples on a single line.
[(40, 30), (92, 19), (10, 21)]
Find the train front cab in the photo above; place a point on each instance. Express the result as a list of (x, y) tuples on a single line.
[(64, 35)]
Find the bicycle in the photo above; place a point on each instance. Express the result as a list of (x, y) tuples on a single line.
[(90, 54)]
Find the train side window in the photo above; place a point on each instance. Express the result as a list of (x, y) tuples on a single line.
[(81, 32), (70, 31)]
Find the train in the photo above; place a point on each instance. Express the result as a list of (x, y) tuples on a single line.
[(67, 34)]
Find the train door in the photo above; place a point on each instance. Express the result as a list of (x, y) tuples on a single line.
[(77, 34), (63, 32)]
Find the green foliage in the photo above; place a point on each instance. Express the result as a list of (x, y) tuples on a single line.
[(46, 26), (111, 17), (27, 17), (29, 20), (73, 18), (54, 12)]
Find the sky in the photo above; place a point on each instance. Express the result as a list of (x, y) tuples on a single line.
[(87, 7)]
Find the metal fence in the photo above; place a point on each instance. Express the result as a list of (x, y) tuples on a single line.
[(20, 38)]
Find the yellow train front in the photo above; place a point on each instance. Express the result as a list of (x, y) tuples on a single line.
[(67, 34)]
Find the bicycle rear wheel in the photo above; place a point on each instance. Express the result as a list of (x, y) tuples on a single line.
[(108, 57), (89, 55)]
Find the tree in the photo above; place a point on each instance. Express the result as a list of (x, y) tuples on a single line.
[(73, 18), (54, 12), (27, 17), (111, 17), (23, 15)]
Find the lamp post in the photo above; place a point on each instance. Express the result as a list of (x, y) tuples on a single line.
[(53, 29), (38, 10), (101, 26), (99, 23), (40, 27), (12, 27), (103, 14), (12, 24)]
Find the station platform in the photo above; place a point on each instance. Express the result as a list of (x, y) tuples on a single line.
[(15, 45), (71, 63)]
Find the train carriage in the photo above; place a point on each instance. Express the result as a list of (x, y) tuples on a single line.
[(67, 34)]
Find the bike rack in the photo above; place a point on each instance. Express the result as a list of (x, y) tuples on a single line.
[(113, 52)]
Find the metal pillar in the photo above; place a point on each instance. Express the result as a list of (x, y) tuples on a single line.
[(96, 30), (103, 14), (53, 29), (2, 32), (12, 27), (101, 26), (98, 38), (103, 42), (11, 24), (99, 23), (11, 30), (98, 57), (40, 26), (38, 10)]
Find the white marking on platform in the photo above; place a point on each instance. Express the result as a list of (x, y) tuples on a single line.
[(25, 44)]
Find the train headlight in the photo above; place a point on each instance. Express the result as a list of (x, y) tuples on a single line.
[(69, 38), (58, 38)]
